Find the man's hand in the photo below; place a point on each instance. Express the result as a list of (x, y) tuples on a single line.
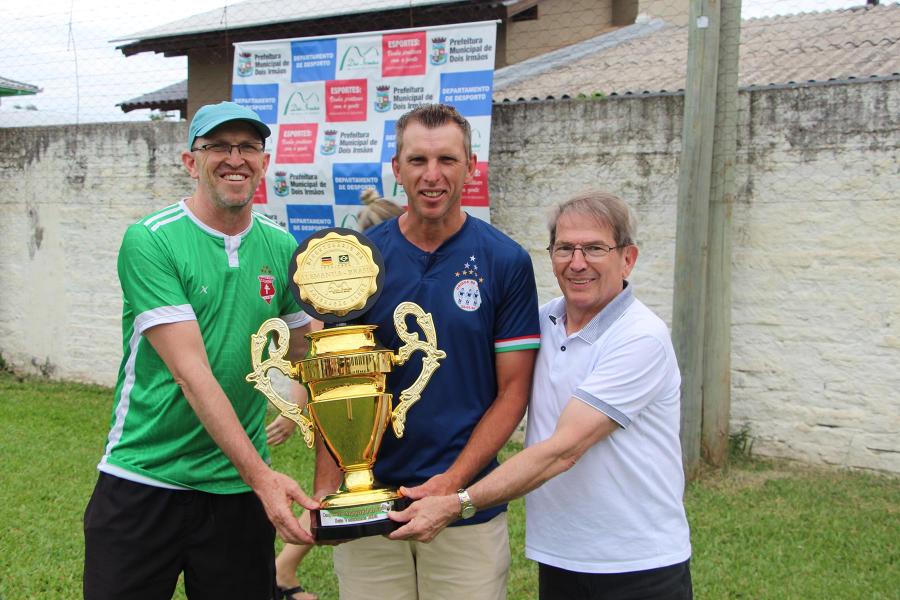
[(279, 430), (425, 518), (439, 485), (278, 492)]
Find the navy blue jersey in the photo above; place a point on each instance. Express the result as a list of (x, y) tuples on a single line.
[(479, 287)]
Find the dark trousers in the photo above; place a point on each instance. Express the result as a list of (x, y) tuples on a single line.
[(139, 538), (665, 583)]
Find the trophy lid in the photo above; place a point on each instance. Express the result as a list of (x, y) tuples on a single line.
[(338, 274)]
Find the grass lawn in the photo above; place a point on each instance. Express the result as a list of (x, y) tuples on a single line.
[(761, 529)]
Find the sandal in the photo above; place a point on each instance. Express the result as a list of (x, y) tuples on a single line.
[(288, 594)]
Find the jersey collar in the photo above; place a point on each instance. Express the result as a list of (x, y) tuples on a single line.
[(601, 321)]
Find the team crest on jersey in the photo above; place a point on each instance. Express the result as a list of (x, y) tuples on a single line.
[(266, 284), (466, 293)]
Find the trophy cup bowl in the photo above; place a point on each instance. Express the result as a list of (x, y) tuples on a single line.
[(345, 373)]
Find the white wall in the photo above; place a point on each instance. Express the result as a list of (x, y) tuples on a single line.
[(816, 259), (66, 196), (816, 349)]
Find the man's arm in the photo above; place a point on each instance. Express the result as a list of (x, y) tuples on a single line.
[(493, 430), (280, 429), (180, 345), (328, 476), (580, 426)]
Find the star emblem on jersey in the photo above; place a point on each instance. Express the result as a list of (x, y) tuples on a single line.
[(266, 284), (466, 293)]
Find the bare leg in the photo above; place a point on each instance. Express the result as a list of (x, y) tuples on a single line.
[(287, 562)]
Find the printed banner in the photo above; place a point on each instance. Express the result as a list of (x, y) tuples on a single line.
[(332, 103)]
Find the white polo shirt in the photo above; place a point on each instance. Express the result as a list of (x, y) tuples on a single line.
[(619, 509)]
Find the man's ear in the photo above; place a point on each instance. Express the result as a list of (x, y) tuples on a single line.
[(471, 167), (190, 163), (395, 167), (631, 254)]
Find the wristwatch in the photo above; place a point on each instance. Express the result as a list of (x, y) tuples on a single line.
[(466, 508)]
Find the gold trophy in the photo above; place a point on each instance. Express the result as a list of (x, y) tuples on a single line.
[(338, 275)]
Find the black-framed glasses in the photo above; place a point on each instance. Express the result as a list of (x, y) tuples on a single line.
[(590, 252), (245, 149)]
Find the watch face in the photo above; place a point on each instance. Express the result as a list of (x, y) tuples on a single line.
[(466, 508)]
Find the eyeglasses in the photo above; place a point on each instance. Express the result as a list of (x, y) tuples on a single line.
[(245, 149), (591, 252)]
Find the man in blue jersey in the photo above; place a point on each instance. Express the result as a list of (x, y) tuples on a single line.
[(479, 286), (184, 483), (602, 463)]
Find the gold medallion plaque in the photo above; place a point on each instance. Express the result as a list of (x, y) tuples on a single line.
[(336, 274)]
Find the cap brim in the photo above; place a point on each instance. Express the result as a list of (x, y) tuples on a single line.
[(259, 126)]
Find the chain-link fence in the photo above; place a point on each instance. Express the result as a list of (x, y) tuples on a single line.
[(800, 172), (65, 61)]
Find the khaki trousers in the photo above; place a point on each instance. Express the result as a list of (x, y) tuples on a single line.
[(469, 562)]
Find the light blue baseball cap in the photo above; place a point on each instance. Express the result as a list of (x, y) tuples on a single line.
[(212, 115)]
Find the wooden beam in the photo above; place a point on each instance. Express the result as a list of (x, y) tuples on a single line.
[(717, 350), (689, 302)]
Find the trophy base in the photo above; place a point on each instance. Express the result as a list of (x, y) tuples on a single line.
[(351, 521)]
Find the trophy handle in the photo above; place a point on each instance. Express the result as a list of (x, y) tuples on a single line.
[(430, 363), (260, 375)]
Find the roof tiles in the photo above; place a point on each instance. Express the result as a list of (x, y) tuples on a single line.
[(650, 56)]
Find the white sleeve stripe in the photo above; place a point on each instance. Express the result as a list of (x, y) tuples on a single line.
[(159, 224), (275, 226), (610, 411), (161, 315), (163, 213), (297, 319)]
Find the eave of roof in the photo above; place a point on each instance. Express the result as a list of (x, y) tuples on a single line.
[(11, 87), (273, 19), (289, 25), (269, 12), (171, 97)]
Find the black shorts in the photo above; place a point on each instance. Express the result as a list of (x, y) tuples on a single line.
[(665, 583), (139, 538)]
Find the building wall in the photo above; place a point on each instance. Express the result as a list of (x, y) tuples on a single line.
[(815, 261), (560, 23), (624, 12), (209, 77)]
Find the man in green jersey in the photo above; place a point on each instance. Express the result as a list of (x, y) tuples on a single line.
[(184, 483)]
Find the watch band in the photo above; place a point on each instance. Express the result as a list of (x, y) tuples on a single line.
[(466, 507)]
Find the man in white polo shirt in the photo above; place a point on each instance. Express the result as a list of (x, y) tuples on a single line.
[(602, 463)]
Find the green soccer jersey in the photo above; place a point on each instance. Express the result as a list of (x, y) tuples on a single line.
[(174, 268)]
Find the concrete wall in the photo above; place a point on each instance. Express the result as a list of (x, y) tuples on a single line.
[(816, 260), (66, 196)]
